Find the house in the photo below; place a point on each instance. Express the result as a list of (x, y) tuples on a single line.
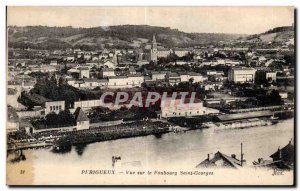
[(173, 78), (286, 154), (211, 72), (91, 83), (211, 85), (109, 64), (283, 95), (107, 72), (54, 106), (187, 76), (82, 121), (281, 159), (216, 78), (70, 58), (12, 98), (181, 52), (131, 70), (84, 72), (13, 120), (53, 63), (221, 160), (158, 75), (269, 62), (42, 68)]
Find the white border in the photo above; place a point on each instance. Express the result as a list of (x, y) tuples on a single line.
[(5, 3)]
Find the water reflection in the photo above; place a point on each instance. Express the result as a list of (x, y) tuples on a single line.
[(80, 148), (16, 156)]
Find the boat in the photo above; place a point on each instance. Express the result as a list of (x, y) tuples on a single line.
[(62, 146)]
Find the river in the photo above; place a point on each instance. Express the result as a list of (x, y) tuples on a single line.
[(172, 149)]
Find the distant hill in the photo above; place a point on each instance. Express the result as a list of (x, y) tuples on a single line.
[(278, 35), (122, 36)]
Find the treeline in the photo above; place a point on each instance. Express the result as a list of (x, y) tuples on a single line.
[(121, 35), (53, 120), (57, 91)]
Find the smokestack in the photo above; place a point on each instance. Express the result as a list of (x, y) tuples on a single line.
[(208, 157), (279, 153), (242, 154)]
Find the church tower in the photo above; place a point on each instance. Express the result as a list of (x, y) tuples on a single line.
[(154, 50)]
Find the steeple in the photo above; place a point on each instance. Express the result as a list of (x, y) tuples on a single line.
[(154, 40), (154, 50), (154, 45)]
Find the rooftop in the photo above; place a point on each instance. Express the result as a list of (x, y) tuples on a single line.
[(237, 116), (80, 115)]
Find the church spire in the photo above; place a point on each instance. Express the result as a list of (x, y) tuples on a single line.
[(154, 40)]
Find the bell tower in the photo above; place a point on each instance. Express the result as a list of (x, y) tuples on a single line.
[(154, 50)]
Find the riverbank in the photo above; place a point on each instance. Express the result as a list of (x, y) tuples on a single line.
[(96, 134)]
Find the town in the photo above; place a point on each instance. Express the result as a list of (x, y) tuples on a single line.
[(53, 95)]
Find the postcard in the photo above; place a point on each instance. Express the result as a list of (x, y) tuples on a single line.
[(150, 96)]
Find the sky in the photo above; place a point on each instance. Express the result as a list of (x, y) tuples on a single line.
[(239, 20)]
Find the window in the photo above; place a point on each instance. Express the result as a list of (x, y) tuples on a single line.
[(91, 84), (60, 107), (50, 108)]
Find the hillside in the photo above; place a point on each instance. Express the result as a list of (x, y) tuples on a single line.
[(122, 36), (277, 35)]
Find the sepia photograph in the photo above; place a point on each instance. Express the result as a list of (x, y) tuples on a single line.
[(150, 96)]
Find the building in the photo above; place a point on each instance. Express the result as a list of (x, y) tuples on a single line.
[(181, 52), (54, 106), (158, 75), (221, 160), (131, 70), (88, 83), (129, 81), (153, 52), (173, 78), (53, 63), (109, 64), (286, 154), (241, 75), (107, 72), (264, 74), (283, 95), (186, 109), (281, 159), (82, 121), (13, 120), (187, 76), (158, 53), (84, 72)]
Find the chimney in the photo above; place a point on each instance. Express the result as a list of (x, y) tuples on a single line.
[(208, 157), (233, 156)]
